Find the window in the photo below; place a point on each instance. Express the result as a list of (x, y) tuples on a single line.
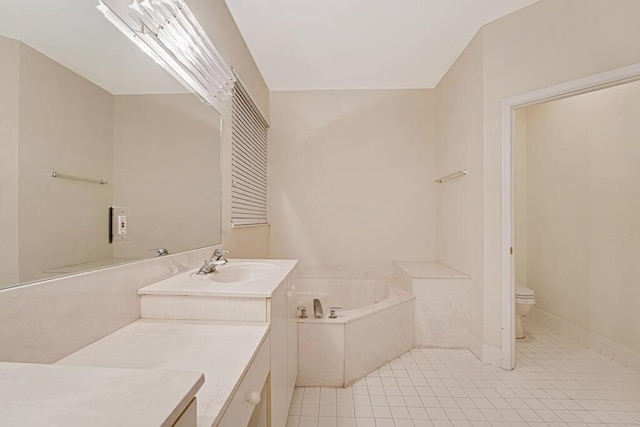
[(248, 161)]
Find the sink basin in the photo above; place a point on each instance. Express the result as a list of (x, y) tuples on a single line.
[(243, 272)]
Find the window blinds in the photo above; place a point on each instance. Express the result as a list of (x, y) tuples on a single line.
[(248, 161)]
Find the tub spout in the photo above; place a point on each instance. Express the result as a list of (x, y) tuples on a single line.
[(317, 309)]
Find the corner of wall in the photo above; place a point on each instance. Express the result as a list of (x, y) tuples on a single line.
[(491, 355), (9, 105)]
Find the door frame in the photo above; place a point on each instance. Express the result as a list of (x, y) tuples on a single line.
[(509, 105)]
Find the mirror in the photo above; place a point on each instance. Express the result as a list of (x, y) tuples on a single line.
[(79, 99)]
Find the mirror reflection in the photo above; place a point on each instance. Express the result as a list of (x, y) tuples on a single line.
[(78, 98)]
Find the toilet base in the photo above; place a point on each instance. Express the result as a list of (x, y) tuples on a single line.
[(519, 328)]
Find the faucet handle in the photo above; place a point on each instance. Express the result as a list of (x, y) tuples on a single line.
[(218, 253), (303, 312), (159, 251), (332, 312)]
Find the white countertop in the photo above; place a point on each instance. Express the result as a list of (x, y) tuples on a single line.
[(429, 270), (190, 284), (222, 351), (48, 395)]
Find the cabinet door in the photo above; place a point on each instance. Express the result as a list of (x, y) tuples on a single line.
[(279, 383), (292, 338)]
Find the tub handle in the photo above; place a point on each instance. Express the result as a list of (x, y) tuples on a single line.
[(332, 312), (303, 312)]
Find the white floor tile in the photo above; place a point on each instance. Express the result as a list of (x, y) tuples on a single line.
[(363, 411), (308, 421), (381, 412), (345, 411), (327, 422), (379, 401), (309, 410), (400, 412), (346, 422), (327, 410), (557, 382)]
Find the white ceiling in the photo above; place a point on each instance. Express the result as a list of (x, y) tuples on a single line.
[(75, 34), (361, 44)]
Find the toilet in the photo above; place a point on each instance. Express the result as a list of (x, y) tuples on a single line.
[(525, 299)]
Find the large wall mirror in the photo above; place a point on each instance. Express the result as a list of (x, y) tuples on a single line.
[(79, 99)]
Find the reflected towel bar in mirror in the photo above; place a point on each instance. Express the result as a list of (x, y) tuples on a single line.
[(55, 174), (451, 176)]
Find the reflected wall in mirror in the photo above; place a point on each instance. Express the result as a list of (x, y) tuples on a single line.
[(126, 122)]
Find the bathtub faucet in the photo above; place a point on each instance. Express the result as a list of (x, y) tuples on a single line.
[(214, 262), (317, 309), (332, 312), (303, 312)]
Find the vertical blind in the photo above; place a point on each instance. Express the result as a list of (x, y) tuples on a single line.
[(248, 161)]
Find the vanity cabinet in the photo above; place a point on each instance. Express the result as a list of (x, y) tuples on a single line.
[(284, 350), (273, 301), (248, 404), (189, 418)]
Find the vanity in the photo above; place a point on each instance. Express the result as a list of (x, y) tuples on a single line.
[(248, 290), (37, 395), (236, 325), (74, 347), (233, 358), (212, 350)]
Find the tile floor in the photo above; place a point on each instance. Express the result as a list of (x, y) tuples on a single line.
[(558, 382)]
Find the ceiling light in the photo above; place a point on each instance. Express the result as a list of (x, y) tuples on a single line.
[(168, 32)]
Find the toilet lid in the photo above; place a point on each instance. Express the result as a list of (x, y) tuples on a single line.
[(522, 292)]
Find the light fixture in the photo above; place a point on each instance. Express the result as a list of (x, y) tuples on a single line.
[(169, 32)]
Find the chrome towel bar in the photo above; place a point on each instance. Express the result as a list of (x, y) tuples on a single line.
[(55, 174), (451, 176)]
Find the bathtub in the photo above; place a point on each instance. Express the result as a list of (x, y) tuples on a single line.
[(374, 326)]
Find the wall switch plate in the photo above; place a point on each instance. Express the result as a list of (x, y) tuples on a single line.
[(119, 224)]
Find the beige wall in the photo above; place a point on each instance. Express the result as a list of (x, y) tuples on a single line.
[(458, 146), (542, 45), (351, 176), (9, 99), (66, 125), (221, 28), (167, 170), (583, 207), (217, 21), (545, 44)]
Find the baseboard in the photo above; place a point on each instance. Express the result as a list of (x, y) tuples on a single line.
[(609, 349), (488, 354), (475, 346)]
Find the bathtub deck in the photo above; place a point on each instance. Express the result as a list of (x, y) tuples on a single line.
[(337, 352), (442, 302), (429, 270)]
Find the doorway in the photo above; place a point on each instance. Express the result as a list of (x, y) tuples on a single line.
[(509, 109)]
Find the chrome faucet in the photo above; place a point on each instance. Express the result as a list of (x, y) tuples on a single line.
[(317, 309), (159, 251), (332, 312), (214, 262)]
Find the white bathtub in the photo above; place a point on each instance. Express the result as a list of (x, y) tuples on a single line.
[(375, 325)]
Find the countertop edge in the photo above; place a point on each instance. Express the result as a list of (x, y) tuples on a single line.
[(244, 374)]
